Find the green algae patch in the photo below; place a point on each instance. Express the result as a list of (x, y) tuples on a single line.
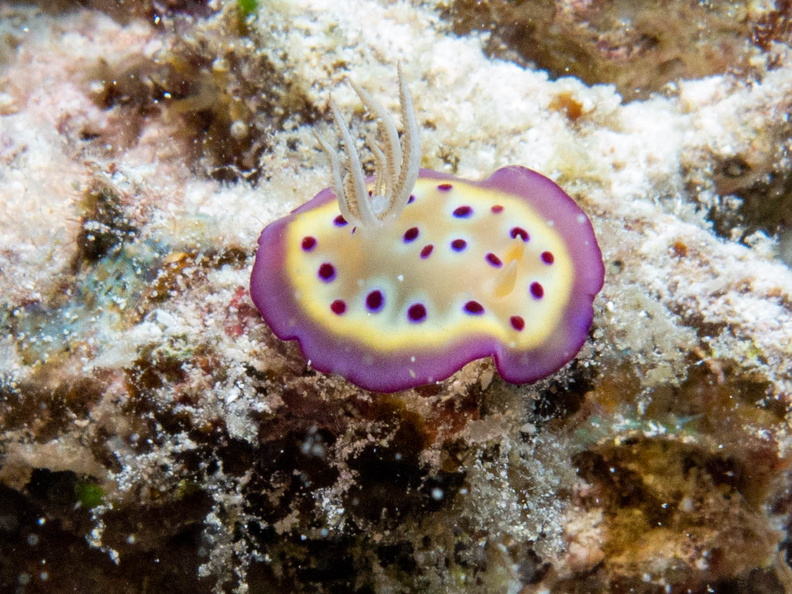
[(89, 495), (247, 7)]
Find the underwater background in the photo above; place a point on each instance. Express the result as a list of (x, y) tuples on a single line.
[(155, 436)]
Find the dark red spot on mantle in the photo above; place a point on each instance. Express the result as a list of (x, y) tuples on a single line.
[(340, 221), (308, 243), (463, 212), (426, 251), (458, 245), (327, 272), (497, 209), (338, 307), (474, 307), (548, 257), (537, 290), (517, 322), (494, 260), (410, 234), (374, 301), (417, 313), (519, 232)]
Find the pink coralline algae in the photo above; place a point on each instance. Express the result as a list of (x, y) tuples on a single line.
[(400, 280)]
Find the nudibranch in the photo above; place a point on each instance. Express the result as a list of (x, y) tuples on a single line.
[(402, 278)]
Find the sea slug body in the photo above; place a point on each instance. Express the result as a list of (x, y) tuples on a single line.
[(441, 272)]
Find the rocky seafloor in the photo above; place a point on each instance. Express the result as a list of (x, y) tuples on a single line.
[(156, 437)]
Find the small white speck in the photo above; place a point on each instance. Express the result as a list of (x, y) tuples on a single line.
[(23, 579), (551, 223), (43, 576), (32, 540), (528, 429), (412, 359), (238, 130), (581, 218), (400, 278), (437, 494)]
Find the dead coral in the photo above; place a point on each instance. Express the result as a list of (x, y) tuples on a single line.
[(674, 515), (156, 436), (151, 10), (217, 95), (105, 225), (760, 201), (639, 47), (673, 475)]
